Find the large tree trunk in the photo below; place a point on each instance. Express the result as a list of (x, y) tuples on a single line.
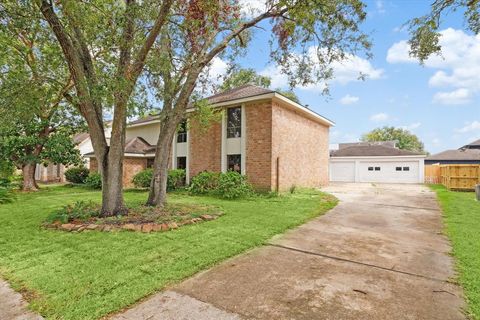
[(29, 183), (158, 186), (112, 186)]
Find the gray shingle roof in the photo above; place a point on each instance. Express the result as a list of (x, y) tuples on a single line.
[(475, 143), (135, 145), (467, 154), (80, 137), (241, 92), (372, 151)]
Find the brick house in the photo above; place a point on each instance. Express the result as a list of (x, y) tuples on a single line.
[(275, 141)]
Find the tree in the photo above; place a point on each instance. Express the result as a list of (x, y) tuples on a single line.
[(239, 77), (307, 36), (36, 121), (289, 94), (405, 139), (424, 40), (105, 44)]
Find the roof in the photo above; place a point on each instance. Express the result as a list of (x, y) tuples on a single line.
[(391, 144), (243, 94), (245, 91), (135, 145), (475, 143), (80, 137), (466, 154), (373, 151)]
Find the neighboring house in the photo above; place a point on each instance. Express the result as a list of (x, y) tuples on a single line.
[(376, 162), (275, 141), (55, 172), (468, 154)]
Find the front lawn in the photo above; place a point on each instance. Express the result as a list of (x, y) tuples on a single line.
[(462, 219), (90, 274)]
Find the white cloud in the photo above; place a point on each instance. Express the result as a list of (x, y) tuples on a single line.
[(218, 68), (379, 117), (459, 96), (348, 99), (380, 6), (470, 127), (412, 126), (458, 66), (348, 70), (251, 7)]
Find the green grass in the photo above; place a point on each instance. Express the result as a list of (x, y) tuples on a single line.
[(90, 274), (462, 221)]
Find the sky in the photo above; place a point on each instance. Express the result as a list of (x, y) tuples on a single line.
[(439, 102)]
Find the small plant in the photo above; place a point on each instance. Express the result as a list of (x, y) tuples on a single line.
[(80, 210), (76, 174), (292, 189), (176, 179), (232, 185), (94, 180), (143, 178), (204, 182)]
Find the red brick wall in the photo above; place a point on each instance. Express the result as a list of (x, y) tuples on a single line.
[(131, 166), (301, 144), (205, 148), (258, 144)]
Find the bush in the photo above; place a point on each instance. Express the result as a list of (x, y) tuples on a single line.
[(229, 185), (80, 210), (143, 178), (76, 174), (175, 179), (94, 180), (6, 191), (232, 185), (204, 182)]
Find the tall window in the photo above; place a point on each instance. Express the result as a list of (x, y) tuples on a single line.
[(234, 122), (234, 162), (182, 132)]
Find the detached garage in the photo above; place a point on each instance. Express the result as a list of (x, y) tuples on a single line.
[(383, 163)]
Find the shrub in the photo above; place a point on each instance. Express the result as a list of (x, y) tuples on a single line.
[(204, 182), (80, 210), (176, 179), (232, 185), (76, 174), (94, 180), (143, 178), (6, 191)]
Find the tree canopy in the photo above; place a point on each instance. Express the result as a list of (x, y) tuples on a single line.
[(424, 30), (405, 139), (239, 77)]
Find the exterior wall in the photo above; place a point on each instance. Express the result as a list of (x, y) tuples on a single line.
[(301, 146), (131, 166), (259, 144), (205, 148), (50, 173), (149, 132)]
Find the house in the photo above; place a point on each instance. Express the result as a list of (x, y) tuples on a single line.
[(376, 162), (276, 142), (468, 154)]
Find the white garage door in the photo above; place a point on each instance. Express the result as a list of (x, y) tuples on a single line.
[(389, 172), (342, 171)]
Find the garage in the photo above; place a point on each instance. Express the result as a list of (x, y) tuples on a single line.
[(376, 163)]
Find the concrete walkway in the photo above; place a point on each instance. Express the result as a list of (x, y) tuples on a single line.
[(379, 254), (13, 306)]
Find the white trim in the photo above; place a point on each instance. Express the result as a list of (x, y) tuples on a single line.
[(174, 151), (187, 169), (379, 157), (223, 153)]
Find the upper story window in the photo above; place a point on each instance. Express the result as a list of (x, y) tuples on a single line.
[(234, 122), (182, 132)]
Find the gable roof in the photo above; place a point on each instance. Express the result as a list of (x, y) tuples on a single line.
[(80, 137), (135, 145), (244, 94), (373, 151), (458, 155)]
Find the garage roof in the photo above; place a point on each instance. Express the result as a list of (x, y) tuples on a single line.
[(372, 151), (462, 154)]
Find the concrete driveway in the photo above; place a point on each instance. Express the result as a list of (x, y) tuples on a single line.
[(379, 254)]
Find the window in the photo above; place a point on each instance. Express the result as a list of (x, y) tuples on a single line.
[(234, 122), (398, 169), (181, 162), (406, 168), (377, 168), (182, 132), (234, 162), (370, 168), (150, 162)]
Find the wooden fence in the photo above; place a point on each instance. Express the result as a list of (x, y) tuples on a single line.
[(432, 174), (460, 176)]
